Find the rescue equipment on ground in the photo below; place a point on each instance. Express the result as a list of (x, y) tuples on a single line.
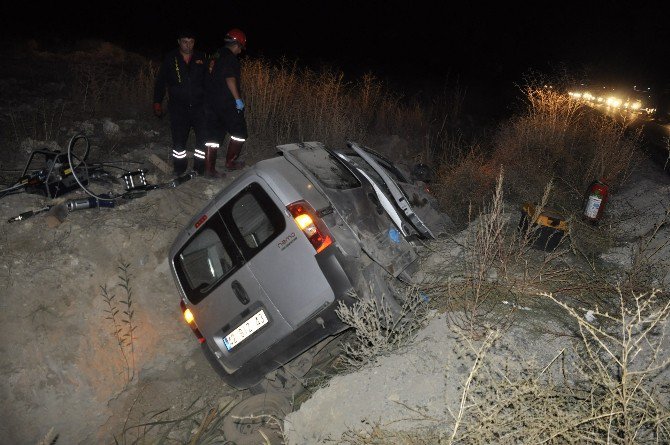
[(595, 201), (547, 228), (68, 206), (56, 177), (87, 203), (65, 172), (28, 214), (135, 180)]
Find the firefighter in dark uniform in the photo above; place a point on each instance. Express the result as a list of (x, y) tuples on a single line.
[(182, 74), (224, 104)]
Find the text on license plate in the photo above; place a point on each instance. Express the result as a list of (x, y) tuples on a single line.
[(245, 329)]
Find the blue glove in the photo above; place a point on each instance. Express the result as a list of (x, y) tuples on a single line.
[(239, 104)]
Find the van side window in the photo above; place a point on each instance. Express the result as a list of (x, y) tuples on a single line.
[(254, 219), (206, 260)]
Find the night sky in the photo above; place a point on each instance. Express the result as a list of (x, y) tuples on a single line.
[(412, 43)]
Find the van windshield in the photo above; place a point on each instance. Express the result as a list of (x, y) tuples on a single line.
[(327, 169)]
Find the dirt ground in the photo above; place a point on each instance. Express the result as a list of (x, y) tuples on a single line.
[(62, 370), (61, 364)]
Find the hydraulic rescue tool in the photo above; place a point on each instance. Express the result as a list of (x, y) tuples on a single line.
[(65, 172), (56, 177), (68, 206)]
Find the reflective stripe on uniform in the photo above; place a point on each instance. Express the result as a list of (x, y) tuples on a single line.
[(235, 138), (212, 144), (178, 154), (199, 154)]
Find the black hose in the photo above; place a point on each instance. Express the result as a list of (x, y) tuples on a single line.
[(128, 194), (74, 174), (16, 188)]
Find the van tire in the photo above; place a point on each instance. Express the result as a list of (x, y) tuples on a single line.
[(289, 377)]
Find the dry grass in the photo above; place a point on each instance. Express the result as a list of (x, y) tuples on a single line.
[(117, 87), (285, 103), (554, 139), (499, 268), (289, 103), (197, 427)]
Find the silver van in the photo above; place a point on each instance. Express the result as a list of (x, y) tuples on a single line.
[(262, 268)]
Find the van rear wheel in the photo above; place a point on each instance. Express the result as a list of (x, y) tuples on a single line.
[(288, 378)]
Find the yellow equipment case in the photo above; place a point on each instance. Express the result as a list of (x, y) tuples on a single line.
[(549, 226)]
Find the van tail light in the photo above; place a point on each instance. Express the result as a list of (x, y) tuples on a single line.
[(188, 316), (311, 225)]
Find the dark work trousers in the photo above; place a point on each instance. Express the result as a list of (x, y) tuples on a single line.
[(182, 119), (224, 119)]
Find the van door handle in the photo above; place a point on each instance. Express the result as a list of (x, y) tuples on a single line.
[(240, 292)]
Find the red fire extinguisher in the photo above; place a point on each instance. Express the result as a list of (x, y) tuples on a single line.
[(596, 198)]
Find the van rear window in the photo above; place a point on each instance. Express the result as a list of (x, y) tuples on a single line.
[(254, 219), (327, 169), (206, 260)]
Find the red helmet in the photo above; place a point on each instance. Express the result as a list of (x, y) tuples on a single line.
[(236, 35)]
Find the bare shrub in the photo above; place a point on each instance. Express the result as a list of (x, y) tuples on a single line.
[(610, 390), (469, 179), (498, 268), (620, 356), (196, 427), (609, 395), (378, 330)]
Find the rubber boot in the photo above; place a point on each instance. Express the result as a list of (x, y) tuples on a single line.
[(179, 165), (234, 149), (199, 161), (210, 163), (179, 161)]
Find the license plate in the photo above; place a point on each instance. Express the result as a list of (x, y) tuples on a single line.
[(245, 329)]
